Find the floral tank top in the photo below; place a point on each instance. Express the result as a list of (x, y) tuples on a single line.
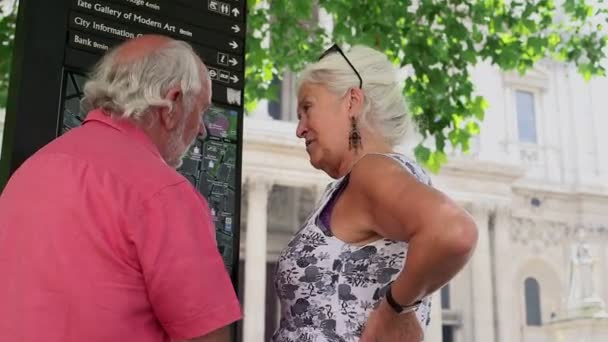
[(328, 288)]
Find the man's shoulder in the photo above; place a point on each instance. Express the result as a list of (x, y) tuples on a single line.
[(112, 156)]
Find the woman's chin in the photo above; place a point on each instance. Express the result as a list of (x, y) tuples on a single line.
[(314, 160)]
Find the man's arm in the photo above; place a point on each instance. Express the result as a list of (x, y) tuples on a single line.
[(219, 335), (187, 283)]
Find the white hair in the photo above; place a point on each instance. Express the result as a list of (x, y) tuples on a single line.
[(384, 108), (130, 88)]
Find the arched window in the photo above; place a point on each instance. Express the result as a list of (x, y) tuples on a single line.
[(532, 296)]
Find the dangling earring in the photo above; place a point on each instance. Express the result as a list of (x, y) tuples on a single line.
[(354, 137)]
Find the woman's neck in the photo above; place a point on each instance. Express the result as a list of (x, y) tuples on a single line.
[(353, 156)]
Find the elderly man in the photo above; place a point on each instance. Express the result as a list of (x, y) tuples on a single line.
[(101, 239)]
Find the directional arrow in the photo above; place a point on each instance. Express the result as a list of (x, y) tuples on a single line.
[(235, 12), (236, 28), (233, 45), (234, 79), (233, 61)]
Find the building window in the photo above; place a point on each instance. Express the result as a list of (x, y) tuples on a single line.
[(526, 116), (445, 297), (532, 297), (447, 333), (447, 330)]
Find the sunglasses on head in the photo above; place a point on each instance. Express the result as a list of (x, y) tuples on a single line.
[(335, 48)]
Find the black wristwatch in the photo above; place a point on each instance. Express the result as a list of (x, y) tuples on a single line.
[(398, 308)]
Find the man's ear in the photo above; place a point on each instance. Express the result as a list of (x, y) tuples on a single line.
[(169, 117)]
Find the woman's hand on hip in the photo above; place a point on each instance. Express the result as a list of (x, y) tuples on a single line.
[(384, 325)]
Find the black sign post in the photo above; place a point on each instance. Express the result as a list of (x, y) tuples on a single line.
[(57, 43)]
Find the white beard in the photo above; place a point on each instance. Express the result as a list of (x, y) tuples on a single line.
[(176, 149)]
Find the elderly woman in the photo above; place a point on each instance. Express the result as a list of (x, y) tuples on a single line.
[(381, 240)]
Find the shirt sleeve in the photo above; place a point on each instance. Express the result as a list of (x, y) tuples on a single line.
[(187, 283)]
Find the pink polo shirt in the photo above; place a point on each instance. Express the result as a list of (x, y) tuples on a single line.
[(100, 240)]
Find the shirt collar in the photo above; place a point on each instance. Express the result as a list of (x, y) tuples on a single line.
[(124, 126)]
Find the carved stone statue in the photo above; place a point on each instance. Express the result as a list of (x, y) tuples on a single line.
[(582, 299), (584, 317)]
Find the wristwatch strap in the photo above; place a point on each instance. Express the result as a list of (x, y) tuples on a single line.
[(398, 308)]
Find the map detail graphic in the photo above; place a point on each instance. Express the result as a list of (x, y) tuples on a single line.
[(211, 168), (210, 164), (73, 115), (222, 123)]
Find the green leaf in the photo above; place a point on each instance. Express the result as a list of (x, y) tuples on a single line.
[(479, 107), (250, 106), (7, 35), (422, 153), (3, 98), (554, 39), (586, 71), (473, 128), (435, 161)]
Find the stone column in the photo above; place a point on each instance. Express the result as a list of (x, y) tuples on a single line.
[(506, 309), (482, 286), (255, 260)]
